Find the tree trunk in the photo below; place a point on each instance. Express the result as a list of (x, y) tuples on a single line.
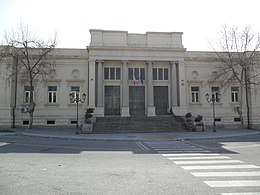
[(239, 111), (30, 120), (32, 104), (248, 98), (31, 110)]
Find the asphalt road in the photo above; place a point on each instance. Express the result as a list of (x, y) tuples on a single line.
[(246, 148), (51, 166)]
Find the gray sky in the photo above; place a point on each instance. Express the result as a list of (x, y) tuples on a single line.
[(199, 20)]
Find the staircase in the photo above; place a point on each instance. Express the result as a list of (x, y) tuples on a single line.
[(137, 124)]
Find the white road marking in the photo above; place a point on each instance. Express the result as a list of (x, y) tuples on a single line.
[(181, 149), (240, 183), (220, 167), (242, 193), (226, 174), (142, 146), (3, 144), (198, 158), (192, 154), (207, 162)]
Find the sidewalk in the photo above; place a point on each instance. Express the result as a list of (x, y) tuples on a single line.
[(69, 133)]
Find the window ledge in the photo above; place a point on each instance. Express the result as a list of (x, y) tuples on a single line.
[(216, 103), (52, 104), (234, 103), (75, 104), (195, 103)]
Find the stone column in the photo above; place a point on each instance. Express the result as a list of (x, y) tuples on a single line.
[(174, 84), (178, 92), (182, 89), (150, 95), (125, 89), (100, 88), (91, 83)]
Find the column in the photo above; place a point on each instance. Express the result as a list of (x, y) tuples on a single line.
[(178, 92), (182, 89), (125, 89), (174, 84), (150, 95), (100, 88), (91, 83)]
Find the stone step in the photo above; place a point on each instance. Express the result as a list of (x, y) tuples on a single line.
[(137, 124)]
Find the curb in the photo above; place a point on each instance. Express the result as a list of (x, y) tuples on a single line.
[(9, 134), (218, 137), (79, 138), (127, 139)]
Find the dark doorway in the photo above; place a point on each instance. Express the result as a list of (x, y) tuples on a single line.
[(161, 100), (137, 100), (112, 100)]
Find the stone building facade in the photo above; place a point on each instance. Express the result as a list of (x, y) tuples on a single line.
[(125, 74)]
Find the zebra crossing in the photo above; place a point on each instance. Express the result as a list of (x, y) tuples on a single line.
[(229, 176)]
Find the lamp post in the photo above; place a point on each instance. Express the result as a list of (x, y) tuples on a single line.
[(77, 99), (214, 98)]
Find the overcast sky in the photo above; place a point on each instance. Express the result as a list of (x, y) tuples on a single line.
[(199, 20)]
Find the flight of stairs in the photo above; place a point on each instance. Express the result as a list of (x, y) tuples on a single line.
[(116, 124)]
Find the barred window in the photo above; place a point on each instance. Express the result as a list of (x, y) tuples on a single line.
[(52, 94), (74, 90), (195, 94), (27, 93), (112, 73), (234, 94), (215, 91), (160, 74), (136, 74)]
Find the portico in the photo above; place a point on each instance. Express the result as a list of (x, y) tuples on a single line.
[(135, 74), (132, 93)]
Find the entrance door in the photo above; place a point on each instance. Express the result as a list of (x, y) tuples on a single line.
[(137, 100), (112, 100), (161, 100)]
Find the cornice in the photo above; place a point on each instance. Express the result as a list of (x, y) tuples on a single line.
[(102, 48)]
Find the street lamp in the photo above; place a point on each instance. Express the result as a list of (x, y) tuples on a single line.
[(214, 98), (77, 99)]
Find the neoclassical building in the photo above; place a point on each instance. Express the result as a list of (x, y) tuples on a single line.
[(124, 75)]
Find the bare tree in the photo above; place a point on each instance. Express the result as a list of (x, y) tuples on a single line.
[(239, 63), (30, 55)]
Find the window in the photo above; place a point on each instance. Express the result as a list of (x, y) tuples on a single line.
[(27, 93), (112, 73), (154, 73), (237, 119), (74, 90), (51, 122), (136, 74), (195, 94), (234, 94), (118, 75), (165, 74), (73, 122), (106, 73), (25, 122), (215, 91), (52, 94), (160, 74)]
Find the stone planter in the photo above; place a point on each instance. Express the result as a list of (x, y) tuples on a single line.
[(200, 126), (87, 128), (199, 123), (189, 124)]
